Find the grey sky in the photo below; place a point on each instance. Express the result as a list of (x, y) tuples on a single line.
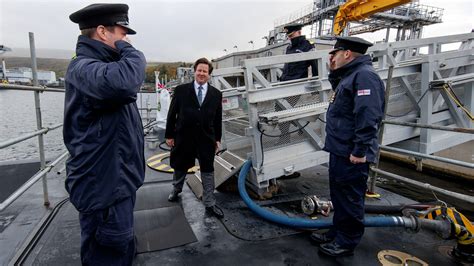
[(184, 30)]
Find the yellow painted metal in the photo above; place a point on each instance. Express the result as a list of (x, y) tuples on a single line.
[(156, 162), (356, 10)]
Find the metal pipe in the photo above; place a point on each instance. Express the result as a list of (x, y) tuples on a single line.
[(408, 124), (39, 122), (459, 196), (427, 156), (27, 136), (31, 182), (28, 88)]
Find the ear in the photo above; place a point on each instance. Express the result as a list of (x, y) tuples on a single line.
[(347, 54), (100, 33)]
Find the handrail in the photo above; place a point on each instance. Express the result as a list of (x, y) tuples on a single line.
[(427, 156), (444, 128), (459, 196), (30, 135), (29, 88), (31, 181)]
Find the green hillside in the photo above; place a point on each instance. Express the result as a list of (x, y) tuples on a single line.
[(60, 65)]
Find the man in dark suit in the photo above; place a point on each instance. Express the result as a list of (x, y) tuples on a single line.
[(194, 130)]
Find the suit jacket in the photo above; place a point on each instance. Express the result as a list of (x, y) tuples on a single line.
[(194, 128)]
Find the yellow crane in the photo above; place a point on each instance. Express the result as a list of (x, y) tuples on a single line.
[(356, 10)]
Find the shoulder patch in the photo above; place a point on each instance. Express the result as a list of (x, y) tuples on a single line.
[(363, 92)]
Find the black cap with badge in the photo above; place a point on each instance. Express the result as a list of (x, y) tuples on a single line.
[(354, 44), (102, 14), (292, 28)]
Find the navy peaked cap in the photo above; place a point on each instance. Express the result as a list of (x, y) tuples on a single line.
[(94, 15), (354, 44), (292, 28)]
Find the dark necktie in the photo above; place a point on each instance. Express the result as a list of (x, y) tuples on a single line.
[(200, 95)]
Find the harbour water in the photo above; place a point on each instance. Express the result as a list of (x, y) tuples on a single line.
[(18, 117)]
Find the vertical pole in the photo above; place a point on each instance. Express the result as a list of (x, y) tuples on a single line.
[(141, 103), (387, 34), (4, 70), (372, 174), (426, 106), (39, 125), (469, 98)]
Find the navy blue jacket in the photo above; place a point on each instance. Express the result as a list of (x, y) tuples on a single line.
[(353, 118), (298, 70), (102, 130)]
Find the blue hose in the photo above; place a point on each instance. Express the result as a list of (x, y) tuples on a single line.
[(301, 222)]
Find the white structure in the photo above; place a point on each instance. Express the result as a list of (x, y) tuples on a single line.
[(24, 75)]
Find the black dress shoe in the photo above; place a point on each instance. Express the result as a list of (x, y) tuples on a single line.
[(334, 250), (215, 211), (317, 238), (174, 195)]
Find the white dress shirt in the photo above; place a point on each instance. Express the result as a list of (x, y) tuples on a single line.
[(204, 90)]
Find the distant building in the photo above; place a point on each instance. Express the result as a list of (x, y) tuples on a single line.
[(184, 74), (24, 75)]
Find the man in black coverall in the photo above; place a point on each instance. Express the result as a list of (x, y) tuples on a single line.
[(103, 133), (353, 119), (295, 70)]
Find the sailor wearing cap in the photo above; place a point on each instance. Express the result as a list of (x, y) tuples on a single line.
[(103, 133), (352, 122), (295, 70), (298, 44)]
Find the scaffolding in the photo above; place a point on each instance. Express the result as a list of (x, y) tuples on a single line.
[(429, 106), (407, 19)]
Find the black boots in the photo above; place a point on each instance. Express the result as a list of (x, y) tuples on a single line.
[(215, 211)]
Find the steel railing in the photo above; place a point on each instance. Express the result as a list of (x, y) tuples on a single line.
[(44, 169)]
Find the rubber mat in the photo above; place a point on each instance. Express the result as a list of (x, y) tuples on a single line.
[(162, 228), (153, 196)]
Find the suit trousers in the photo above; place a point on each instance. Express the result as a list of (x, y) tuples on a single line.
[(207, 179)]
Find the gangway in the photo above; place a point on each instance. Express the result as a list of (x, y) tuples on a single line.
[(418, 67)]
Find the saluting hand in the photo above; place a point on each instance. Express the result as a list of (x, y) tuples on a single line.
[(356, 160), (125, 38), (170, 142)]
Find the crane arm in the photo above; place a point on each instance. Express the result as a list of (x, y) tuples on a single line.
[(355, 10)]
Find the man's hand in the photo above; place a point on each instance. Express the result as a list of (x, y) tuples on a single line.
[(218, 146), (332, 64), (356, 160), (125, 38), (170, 142)]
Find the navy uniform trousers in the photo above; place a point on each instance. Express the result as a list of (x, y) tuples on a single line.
[(107, 236), (347, 185)]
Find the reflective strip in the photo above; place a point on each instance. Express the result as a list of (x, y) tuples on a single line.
[(161, 167), (158, 156), (152, 164)]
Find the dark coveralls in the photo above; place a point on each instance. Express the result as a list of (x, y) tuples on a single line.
[(353, 120), (296, 70), (103, 133)]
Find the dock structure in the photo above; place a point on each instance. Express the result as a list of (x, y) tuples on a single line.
[(431, 85), (407, 19)]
